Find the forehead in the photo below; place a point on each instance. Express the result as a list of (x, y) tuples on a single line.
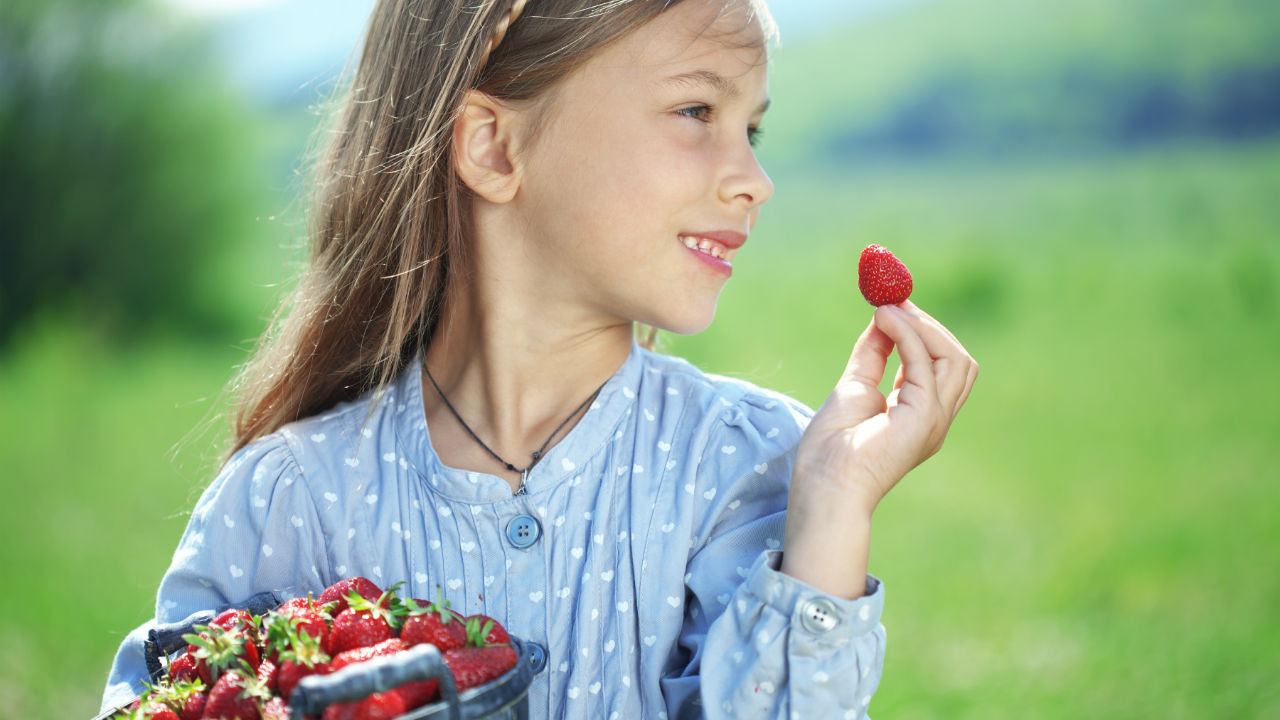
[(728, 36)]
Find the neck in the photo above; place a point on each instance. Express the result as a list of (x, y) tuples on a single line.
[(514, 365)]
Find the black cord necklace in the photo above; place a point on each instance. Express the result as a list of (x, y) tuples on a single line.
[(537, 455)]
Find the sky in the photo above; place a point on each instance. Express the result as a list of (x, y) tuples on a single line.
[(279, 48)]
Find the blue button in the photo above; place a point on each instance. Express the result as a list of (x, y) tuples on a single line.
[(523, 531)]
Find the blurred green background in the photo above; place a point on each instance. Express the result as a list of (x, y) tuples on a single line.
[(1087, 193)]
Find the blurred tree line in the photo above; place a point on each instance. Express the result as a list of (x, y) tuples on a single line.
[(123, 157), (988, 78), (1072, 107)]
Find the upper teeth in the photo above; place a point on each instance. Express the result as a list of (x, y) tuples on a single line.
[(704, 245)]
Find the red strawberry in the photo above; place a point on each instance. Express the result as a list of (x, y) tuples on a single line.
[(193, 709), (308, 616), (183, 668), (267, 673), (484, 630), (234, 697), (284, 627), (275, 709), (358, 628), (363, 623), (368, 652), (472, 666), (882, 278), (417, 694), (300, 655), (232, 618), (340, 592), (291, 673), (184, 697), (155, 710), (378, 706), (216, 649), (433, 624)]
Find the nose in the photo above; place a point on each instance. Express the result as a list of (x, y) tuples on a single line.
[(746, 182)]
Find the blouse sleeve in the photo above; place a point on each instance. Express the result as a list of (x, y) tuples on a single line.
[(763, 644), (255, 528)]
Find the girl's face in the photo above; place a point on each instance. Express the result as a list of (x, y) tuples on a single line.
[(641, 182)]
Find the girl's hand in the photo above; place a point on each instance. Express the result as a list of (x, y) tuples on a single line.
[(861, 443)]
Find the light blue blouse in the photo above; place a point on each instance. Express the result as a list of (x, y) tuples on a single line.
[(651, 536)]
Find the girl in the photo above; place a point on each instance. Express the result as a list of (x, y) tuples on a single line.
[(456, 398)]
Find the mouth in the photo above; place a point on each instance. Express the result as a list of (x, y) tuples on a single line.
[(705, 246), (715, 244)]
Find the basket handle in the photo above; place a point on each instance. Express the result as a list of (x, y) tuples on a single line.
[(355, 682), (164, 640)]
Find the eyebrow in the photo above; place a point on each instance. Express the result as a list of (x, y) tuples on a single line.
[(715, 81)]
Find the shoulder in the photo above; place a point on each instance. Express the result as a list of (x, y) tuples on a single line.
[(732, 449), (336, 441), (316, 450), (715, 405)]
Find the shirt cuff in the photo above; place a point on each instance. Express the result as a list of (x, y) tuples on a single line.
[(825, 617)]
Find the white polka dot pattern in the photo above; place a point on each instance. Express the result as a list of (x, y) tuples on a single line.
[(659, 519)]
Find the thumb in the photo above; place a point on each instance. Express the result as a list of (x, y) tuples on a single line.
[(858, 393), (869, 358)]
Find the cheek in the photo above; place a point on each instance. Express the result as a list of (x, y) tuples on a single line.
[(601, 175)]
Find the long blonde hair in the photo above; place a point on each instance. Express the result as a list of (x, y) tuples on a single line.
[(387, 221)]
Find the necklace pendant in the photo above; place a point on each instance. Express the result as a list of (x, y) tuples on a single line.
[(524, 475)]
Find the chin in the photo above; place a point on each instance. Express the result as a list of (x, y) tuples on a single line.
[(687, 323)]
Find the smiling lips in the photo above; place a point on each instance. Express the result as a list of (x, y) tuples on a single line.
[(715, 244)]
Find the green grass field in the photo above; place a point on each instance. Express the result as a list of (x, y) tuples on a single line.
[(1096, 539)]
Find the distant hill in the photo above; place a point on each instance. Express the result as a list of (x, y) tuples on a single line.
[(1000, 77), (283, 51)]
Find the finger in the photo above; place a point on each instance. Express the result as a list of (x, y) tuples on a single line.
[(951, 361), (912, 307), (869, 357), (919, 386), (970, 378), (971, 366)]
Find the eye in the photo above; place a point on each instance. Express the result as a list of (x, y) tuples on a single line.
[(701, 113)]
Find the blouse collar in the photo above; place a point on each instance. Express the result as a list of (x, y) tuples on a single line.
[(562, 462)]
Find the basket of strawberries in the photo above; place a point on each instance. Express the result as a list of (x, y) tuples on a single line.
[(356, 652)]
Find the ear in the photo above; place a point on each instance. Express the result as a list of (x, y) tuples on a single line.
[(483, 147)]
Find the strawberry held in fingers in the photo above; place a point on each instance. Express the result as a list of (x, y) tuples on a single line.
[(882, 278)]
